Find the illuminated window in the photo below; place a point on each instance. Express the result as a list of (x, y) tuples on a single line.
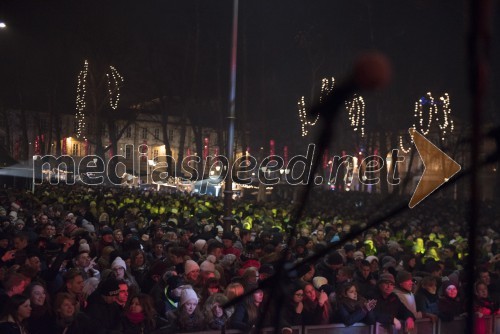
[(75, 150)]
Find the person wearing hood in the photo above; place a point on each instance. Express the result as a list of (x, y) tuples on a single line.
[(215, 314), (170, 299), (450, 305), (329, 266)]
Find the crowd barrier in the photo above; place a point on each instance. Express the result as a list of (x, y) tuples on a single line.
[(422, 326)]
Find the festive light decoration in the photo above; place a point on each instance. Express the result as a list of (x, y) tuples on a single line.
[(433, 115), (81, 91), (114, 86), (326, 88), (114, 82), (356, 111)]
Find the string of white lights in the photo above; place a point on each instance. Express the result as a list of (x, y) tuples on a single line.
[(356, 112), (434, 112), (81, 91), (326, 88), (114, 87)]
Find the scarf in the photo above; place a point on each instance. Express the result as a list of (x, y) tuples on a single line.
[(65, 322), (135, 318)]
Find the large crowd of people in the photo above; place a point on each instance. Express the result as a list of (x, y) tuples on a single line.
[(76, 259)]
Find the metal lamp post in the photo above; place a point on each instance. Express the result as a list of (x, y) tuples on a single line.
[(228, 189)]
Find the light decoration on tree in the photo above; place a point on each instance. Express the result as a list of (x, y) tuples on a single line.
[(115, 81), (81, 91), (444, 123), (356, 111), (326, 88)]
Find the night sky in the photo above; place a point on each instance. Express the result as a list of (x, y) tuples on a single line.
[(284, 49)]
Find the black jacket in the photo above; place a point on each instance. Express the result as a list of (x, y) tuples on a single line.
[(389, 308)]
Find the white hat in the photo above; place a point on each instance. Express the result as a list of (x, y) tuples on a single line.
[(358, 255), (319, 281), (207, 266), (13, 215), (199, 244), (189, 266), (187, 295), (88, 226), (371, 258), (15, 206), (118, 263), (84, 246)]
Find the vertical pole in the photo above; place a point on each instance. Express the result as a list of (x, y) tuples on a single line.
[(479, 53), (228, 189)]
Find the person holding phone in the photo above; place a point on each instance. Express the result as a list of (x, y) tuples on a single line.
[(352, 307)]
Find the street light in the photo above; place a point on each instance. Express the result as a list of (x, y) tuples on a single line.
[(3, 25)]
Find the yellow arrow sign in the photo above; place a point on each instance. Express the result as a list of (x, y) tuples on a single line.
[(438, 168)]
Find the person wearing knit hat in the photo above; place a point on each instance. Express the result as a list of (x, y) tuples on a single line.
[(358, 255), (208, 265), (386, 278), (173, 289), (404, 291), (109, 288), (19, 224), (319, 281), (371, 258), (329, 266), (188, 318), (70, 228), (13, 216), (189, 295), (103, 310), (200, 245), (191, 272), (228, 260), (84, 246), (14, 206), (119, 266), (389, 309)]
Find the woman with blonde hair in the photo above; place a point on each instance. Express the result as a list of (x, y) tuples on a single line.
[(234, 290), (68, 319)]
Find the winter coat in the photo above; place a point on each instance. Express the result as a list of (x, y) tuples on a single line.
[(352, 311), (450, 308), (427, 302), (390, 307)]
